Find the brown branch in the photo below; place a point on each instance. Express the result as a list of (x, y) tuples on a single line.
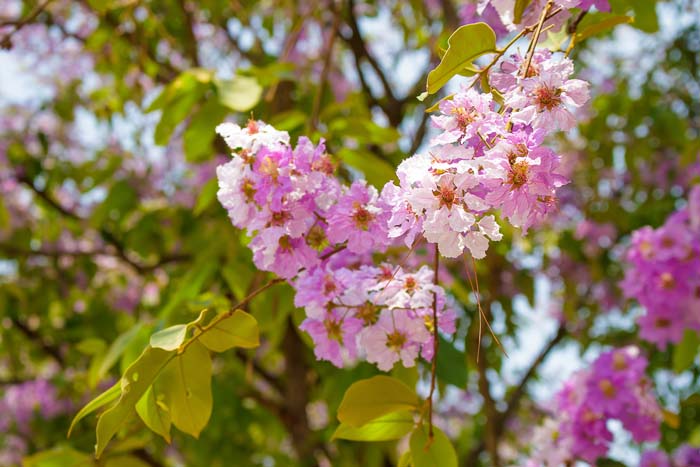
[(516, 395), (190, 42), (392, 107), (327, 59), (34, 336), (107, 236), (6, 40)]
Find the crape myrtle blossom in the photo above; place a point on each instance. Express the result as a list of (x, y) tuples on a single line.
[(614, 387), (329, 239), (684, 456), (663, 275), (484, 160), (308, 228)]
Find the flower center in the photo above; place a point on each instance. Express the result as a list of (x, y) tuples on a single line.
[(333, 329), (368, 313), (619, 362), (446, 195), (607, 388), (248, 189), (410, 283), (362, 217), (395, 341), (269, 167), (518, 174), (548, 99), (285, 243), (667, 281), (464, 117), (316, 237)]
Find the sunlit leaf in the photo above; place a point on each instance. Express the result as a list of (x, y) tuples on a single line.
[(186, 389), (427, 453), (371, 398), (466, 44), (390, 426), (238, 330)]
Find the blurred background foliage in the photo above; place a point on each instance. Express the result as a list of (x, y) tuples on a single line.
[(110, 228)]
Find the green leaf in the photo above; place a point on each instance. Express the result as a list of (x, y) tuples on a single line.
[(186, 387), (169, 338), (595, 23), (100, 401), (199, 135), (518, 10), (134, 384), (100, 366), (438, 452), (207, 195), (238, 330), (451, 365), (371, 398), (465, 45), (186, 82), (155, 413), (377, 171), (121, 199), (241, 93), (62, 456), (685, 351), (405, 460), (390, 426)]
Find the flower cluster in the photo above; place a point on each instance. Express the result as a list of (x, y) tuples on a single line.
[(20, 405), (321, 235), (614, 387), (486, 158), (684, 456), (663, 276), (299, 215)]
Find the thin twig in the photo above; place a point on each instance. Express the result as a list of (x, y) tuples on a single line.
[(433, 368), (327, 60), (5, 41)]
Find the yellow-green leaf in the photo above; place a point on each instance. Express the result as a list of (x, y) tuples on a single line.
[(686, 350), (155, 413), (390, 426), (430, 454), (519, 9), (101, 365), (595, 23), (169, 338), (465, 45), (135, 382), (371, 398), (100, 401), (186, 387), (241, 93), (238, 330), (62, 456)]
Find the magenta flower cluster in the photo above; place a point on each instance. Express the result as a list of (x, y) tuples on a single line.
[(488, 158), (684, 456), (322, 236), (614, 387), (663, 275)]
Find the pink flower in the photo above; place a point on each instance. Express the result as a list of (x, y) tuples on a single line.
[(359, 218), (276, 251), (526, 191), (545, 101), (396, 336), (333, 336)]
